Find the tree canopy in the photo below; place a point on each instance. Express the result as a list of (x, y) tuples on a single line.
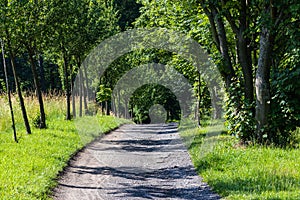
[(254, 44)]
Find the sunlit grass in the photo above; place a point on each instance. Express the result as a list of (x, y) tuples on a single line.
[(238, 172), (55, 107), (28, 169)]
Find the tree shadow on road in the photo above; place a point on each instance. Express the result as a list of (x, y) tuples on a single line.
[(167, 175)]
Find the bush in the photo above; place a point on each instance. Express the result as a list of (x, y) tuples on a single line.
[(285, 105), (240, 121)]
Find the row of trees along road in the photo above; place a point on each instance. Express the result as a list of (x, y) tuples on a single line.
[(63, 31), (255, 45)]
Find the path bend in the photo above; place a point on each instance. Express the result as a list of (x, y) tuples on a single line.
[(134, 162)]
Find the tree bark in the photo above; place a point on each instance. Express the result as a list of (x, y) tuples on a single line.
[(262, 82), (243, 48), (42, 73), (21, 100), (119, 104), (245, 53), (18, 88), (8, 93), (106, 108), (73, 94), (81, 91), (86, 91), (244, 56), (215, 101), (198, 113), (39, 95), (220, 39), (228, 71), (67, 85)]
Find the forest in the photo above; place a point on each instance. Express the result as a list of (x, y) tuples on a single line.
[(254, 45)]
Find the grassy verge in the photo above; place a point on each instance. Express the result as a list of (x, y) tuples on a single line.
[(28, 169), (238, 172)]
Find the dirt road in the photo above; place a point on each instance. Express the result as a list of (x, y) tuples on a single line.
[(134, 162)]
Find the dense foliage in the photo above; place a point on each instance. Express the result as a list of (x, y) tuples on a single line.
[(253, 53), (255, 46)]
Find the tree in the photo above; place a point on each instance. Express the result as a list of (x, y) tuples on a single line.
[(284, 112), (31, 25), (8, 92), (100, 21), (60, 38), (243, 38), (8, 25), (85, 23)]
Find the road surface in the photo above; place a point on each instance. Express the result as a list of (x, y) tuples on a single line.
[(134, 162)]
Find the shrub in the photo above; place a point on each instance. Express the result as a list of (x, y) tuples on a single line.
[(240, 121), (285, 105)]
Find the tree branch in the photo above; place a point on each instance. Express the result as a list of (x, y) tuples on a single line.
[(229, 18), (213, 26)]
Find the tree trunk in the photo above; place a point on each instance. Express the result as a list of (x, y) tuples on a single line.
[(244, 52), (42, 73), (220, 39), (228, 71), (113, 105), (21, 100), (119, 104), (67, 86), (81, 92), (244, 56), (106, 108), (86, 91), (242, 44), (8, 94), (262, 82), (126, 113), (198, 114), (216, 103), (132, 113), (18, 88), (39, 95), (73, 93)]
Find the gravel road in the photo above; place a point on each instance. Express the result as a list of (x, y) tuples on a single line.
[(134, 162)]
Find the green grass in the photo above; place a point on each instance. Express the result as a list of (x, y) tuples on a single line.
[(238, 172), (28, 169)]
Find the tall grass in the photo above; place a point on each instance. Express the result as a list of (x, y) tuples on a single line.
[(55, 107), (28, 169)]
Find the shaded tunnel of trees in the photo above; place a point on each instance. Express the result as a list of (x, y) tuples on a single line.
[(255, 45), (149, 95)]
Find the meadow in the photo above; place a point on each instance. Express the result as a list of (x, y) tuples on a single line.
[(29, 168), (236, 171)]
